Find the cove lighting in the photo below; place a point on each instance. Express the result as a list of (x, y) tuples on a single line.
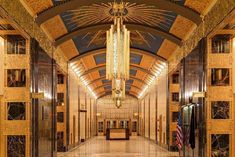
[(157, 72), (77, 70)]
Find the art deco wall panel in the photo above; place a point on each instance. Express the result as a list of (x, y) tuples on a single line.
[(44, 124), (192, 80), (220, 96)]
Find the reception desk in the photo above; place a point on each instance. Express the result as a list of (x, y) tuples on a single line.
[(117, 134)]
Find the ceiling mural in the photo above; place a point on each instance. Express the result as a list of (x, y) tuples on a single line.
[(103, 13), (151, 24), (96, 40), (142, 14)]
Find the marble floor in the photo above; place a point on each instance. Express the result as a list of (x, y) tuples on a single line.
[(135, 147)]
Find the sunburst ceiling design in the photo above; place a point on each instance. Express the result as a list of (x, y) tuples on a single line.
[(134, 13), (80, 25)]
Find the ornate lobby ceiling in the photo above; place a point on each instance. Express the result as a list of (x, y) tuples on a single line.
[(78, 27)]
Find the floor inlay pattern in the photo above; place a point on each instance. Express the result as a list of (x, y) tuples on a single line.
[(135, 147)]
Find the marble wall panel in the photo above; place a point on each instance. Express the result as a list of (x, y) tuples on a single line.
[(16, 111), (220, 145), (43, 81), (16, 146)]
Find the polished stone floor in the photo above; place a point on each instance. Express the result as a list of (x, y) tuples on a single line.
[(135, 147)]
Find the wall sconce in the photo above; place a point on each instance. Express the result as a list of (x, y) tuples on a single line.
[(98, 114)]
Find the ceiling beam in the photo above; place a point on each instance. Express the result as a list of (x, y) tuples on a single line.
[(103, 50), (102, 78), (184, 11), (109, 84), (134, 67), (102, 94), (130, 26)]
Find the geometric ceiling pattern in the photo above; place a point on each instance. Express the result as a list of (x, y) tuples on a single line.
[(78, 27)]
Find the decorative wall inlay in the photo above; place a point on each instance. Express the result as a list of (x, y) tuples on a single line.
[(175, 78), (16, 146), (60, 78), (220, 110), (175, 97), (220, 77), (16, 78), (60, 141), (16, 44), (220, 145), (16, 111), (175, 116), (60, 117), (60, 99), (221, 44), (15, 108), (220, 96), (174, 134)]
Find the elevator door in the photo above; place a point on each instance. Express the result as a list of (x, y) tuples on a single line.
[(82, 126)]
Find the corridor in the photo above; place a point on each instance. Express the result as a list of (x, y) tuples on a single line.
[(135, 147)]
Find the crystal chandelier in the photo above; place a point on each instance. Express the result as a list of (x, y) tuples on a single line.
[(118, 53)]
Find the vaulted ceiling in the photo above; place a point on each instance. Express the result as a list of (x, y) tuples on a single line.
[(78, 27)]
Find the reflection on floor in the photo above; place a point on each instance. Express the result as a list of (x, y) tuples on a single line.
[(135, 147)]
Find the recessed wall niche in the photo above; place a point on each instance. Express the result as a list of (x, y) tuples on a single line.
[(16, 77), (16, 145), (221, 44), (60, 117), (16, 111), (175, 78), (220, 77), (60, 79), (16, 44), (220, 109), (60, 99), (174, 135), (220, 145), (60, 140), (175, 97), (175, 116)]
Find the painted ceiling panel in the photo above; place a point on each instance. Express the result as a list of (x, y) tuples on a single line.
[(135, 58), (133, 72), (137, 13), (86, 16), (102, 72), (100, 58), (37, 6), (129, 81), (147, 62), (69, 49), (182, 32), (140, 75), (108, 88), (167, 49), (199, 5), (106, 81), (55, 27), (89, 62)]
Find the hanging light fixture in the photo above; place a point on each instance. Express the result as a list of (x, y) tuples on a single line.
[(118, 53)]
